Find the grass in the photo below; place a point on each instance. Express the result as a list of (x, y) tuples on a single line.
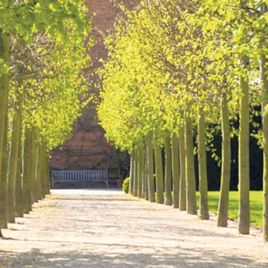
[(255, 206)]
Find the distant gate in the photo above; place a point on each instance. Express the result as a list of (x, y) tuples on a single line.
[(79, 176)]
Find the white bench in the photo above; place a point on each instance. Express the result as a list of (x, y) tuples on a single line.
[(79, 176)]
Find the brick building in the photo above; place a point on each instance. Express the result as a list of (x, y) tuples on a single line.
[(87, 147)]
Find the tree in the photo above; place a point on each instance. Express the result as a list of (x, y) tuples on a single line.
[(44, 82)]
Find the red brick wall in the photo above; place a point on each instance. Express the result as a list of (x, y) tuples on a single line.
[(87, 147)]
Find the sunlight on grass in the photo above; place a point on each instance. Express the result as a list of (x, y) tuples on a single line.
[(255, 201)]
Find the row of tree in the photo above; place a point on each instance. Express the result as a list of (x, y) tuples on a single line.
[(42, 91), (179, 70)]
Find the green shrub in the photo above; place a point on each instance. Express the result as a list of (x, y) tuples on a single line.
[(125, 185)]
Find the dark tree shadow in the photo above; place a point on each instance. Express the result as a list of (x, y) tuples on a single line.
[(162, 257)]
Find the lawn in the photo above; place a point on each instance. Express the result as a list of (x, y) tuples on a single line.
[(255, 200)]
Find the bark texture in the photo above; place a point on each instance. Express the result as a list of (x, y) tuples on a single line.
[(159, 174), (264, 77), (150, 169), (168, 165), (190, 170), (244, 181), (14, 162), (225, 165), (175, 171), (4, 54), (202, 164), (182, 173)]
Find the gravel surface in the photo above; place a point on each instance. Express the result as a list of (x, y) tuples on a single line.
[(94, 228)]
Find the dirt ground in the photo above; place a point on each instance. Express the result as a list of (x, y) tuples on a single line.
[(94, 228)]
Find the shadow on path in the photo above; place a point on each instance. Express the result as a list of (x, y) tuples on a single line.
[(162, 257), (108, 229)]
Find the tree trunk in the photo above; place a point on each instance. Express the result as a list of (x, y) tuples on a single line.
[(202, 157), (4, 54), (19, 184), (47, 172), (150, 169), (244, 182), (141, 172), (190, 170), (33, 169), (4, 176), (131, 174), (39, 172), (159, 174), (135, 176), (43, 178), (13, 161), (145, 174), (225, 165), (27, 169), (182, 167), (264, 79), (168, 164), (175, 171)]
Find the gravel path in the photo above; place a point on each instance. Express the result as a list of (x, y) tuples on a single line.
[(87, 228)]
